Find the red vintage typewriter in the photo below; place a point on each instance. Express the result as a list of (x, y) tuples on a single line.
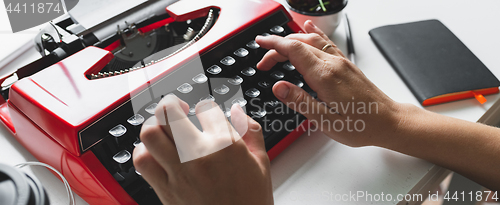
[(79, 108)]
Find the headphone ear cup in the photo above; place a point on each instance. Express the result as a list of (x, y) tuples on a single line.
[(19, 188), (39, 195)]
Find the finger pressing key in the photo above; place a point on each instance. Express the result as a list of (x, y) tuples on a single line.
[(178, 111), (217, 131), (301, 55), (158, 144), (189, 140)]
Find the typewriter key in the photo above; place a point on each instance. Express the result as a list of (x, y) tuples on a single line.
[(123, 159), (151, 108), (228, 60), (277, 29), (135, 120), (258, 114), (214, 70), (288, 66), (200, 78), (252, 92), (118, 131), (278, 75), (208, 97), (240, 101), (185, 88), (298, 83), (264, 84), (221, 90), (248, 71), (241, 52), (236, 80), (253, 45)]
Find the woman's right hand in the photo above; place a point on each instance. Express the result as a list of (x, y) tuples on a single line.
[(470, 149), (350, 108)]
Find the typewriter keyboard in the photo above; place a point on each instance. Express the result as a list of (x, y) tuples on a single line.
[(225, 74)]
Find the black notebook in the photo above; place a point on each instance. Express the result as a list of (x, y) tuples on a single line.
[(434, 63)]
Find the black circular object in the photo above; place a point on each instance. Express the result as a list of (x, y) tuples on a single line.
[(18, 188), (300, 7)]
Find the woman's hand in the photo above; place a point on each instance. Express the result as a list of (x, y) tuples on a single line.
[(468, 148), (236, 174), (349, 107)]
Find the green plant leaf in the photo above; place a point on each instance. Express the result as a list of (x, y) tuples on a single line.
[(322, 5)]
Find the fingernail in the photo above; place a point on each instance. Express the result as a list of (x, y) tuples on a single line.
[(282, 91), (259, 36), (204, 105), (238, 107), (311, 23)]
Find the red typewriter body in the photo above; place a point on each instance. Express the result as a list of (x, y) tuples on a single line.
[(48, 112)]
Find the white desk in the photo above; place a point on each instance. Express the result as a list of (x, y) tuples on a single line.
[(315, 165)]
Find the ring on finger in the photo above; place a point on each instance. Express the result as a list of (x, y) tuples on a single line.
[(326, 47)]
